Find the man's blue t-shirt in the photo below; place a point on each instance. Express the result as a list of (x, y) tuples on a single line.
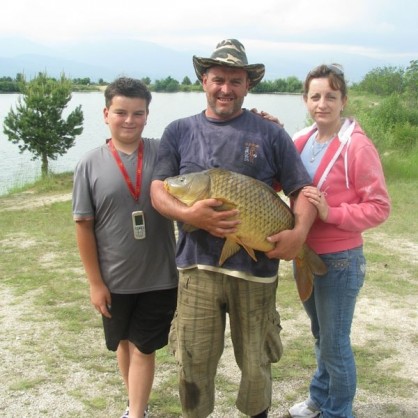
[(247, 144)]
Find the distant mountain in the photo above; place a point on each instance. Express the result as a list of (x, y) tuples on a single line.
[(106, 60), (110, 59), (31, 64), (134, 58), (12, 47)]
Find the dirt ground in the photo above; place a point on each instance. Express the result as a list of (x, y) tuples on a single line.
[(377, 320)]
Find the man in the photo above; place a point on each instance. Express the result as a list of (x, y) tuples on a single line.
[(127, 247), (228, 136)]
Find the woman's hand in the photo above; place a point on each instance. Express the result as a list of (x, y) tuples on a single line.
[(318, 199)]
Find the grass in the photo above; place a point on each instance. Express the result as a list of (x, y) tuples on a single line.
[(61, 345), (61, 182)]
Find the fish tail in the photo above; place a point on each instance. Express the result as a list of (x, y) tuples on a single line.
[(307, 264)]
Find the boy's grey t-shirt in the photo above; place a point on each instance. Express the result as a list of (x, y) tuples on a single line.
[(101, 193)]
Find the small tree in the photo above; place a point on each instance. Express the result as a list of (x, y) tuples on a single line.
[(186, 81), (146, 81), (37, 124), (411, 79), (383, 81)]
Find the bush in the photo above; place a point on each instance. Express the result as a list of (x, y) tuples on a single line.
[(391, 123), (404, 137)]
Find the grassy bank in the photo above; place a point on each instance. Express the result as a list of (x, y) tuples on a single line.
[(54, 362)]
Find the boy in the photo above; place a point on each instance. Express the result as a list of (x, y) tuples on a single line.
[(126, 247)]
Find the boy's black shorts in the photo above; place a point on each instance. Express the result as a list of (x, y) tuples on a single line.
[(142, 318)]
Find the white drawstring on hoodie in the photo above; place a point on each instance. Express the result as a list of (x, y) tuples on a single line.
[(344, 136)]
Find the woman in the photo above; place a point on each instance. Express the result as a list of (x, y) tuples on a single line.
[(350, 195)]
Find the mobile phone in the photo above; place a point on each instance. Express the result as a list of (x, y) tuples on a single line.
[(138, 223)]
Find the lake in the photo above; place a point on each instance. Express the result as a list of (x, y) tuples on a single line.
[(17, 168)]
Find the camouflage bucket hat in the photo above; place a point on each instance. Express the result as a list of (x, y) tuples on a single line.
[(229, 53)]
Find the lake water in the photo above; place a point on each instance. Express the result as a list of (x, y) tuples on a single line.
[(17, 168)]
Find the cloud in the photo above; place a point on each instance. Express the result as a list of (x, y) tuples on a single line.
[(182, 24), (322, 30)]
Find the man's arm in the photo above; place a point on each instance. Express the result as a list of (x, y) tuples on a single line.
[(289, 242), (87, 246)]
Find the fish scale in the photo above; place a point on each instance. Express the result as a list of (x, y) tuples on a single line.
[(258, 204)]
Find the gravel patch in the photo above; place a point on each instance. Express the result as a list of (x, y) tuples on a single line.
[(29, 349)]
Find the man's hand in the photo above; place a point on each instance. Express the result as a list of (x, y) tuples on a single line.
[(203, 215), (287, 244), (267, 116)]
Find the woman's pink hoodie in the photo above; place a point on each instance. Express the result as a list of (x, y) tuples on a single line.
[(351, 177)]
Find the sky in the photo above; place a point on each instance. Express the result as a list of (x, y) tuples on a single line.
[(386, 30)]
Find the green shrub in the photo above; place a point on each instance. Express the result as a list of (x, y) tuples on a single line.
[(375, 129), (404, 137), (392, 122)]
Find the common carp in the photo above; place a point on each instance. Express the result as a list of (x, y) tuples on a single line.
[(261, 213)]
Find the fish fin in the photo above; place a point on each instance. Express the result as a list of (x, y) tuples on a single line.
[(229, 249), (226, 204), (307, 264), (249, 250)]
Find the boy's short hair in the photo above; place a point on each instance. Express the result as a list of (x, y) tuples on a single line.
[(128, 87)]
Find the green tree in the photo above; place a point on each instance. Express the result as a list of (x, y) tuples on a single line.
[(146, 81), (169, 84), (411, 79), (37, 124), (186, 81), (20, 78), (281, 85), (383, 81), (82, 81), (294, 85), (8, 85)]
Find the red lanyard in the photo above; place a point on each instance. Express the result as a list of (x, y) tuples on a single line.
[(134, 192)]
